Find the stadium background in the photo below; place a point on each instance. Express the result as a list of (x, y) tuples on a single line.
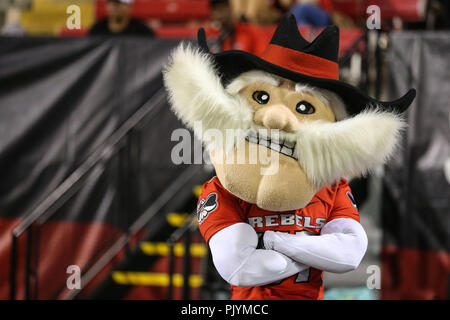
[(86, 176)]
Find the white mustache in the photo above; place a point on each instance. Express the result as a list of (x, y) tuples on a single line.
[(196, 93), (349, 148)]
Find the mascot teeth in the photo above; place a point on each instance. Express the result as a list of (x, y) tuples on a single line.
[(284, 147)]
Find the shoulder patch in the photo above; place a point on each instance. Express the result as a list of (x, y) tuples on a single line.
[(206, 206)]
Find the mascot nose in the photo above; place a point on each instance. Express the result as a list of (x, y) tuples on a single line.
[(276, 117)]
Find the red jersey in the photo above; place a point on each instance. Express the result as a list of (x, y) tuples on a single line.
[(217, 209)]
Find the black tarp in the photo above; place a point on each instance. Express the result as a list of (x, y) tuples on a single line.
[(416, 202), (60, 100)]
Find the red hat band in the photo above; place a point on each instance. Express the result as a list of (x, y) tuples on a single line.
[(301, 62)]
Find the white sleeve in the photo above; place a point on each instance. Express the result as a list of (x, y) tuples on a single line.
[(238, 261), (339, 248)]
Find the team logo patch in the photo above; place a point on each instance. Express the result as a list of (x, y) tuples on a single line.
[(205, 207), (352, 200)]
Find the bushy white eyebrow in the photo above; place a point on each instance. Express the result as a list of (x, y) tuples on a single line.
[(303, 87), (249, 77), (327, 97)]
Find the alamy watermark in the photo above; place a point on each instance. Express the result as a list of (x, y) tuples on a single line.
[(224, 145), (374, 278), (73, 282), (374, 19), (74, 20)]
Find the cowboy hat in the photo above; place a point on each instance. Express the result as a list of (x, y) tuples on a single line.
[(292, 57)]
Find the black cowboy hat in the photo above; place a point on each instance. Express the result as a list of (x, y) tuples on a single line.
[(292, 57)]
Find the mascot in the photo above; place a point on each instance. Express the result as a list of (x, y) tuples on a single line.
[(280, 210)]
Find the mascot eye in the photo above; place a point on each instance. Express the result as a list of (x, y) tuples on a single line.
[(304, 107), (261, 97)]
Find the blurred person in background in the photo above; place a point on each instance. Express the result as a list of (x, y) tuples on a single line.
[(120, 22), (258, 11), (315, 13), (12, 26), (319, 13), (312, 12)]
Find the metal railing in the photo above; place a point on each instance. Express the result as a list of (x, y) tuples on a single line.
[(186, 230), (116, 144)]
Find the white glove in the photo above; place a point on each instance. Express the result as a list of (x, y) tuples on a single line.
[(339, 248), (239, 262)]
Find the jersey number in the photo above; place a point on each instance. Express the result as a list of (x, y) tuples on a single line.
[(303, 276)]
